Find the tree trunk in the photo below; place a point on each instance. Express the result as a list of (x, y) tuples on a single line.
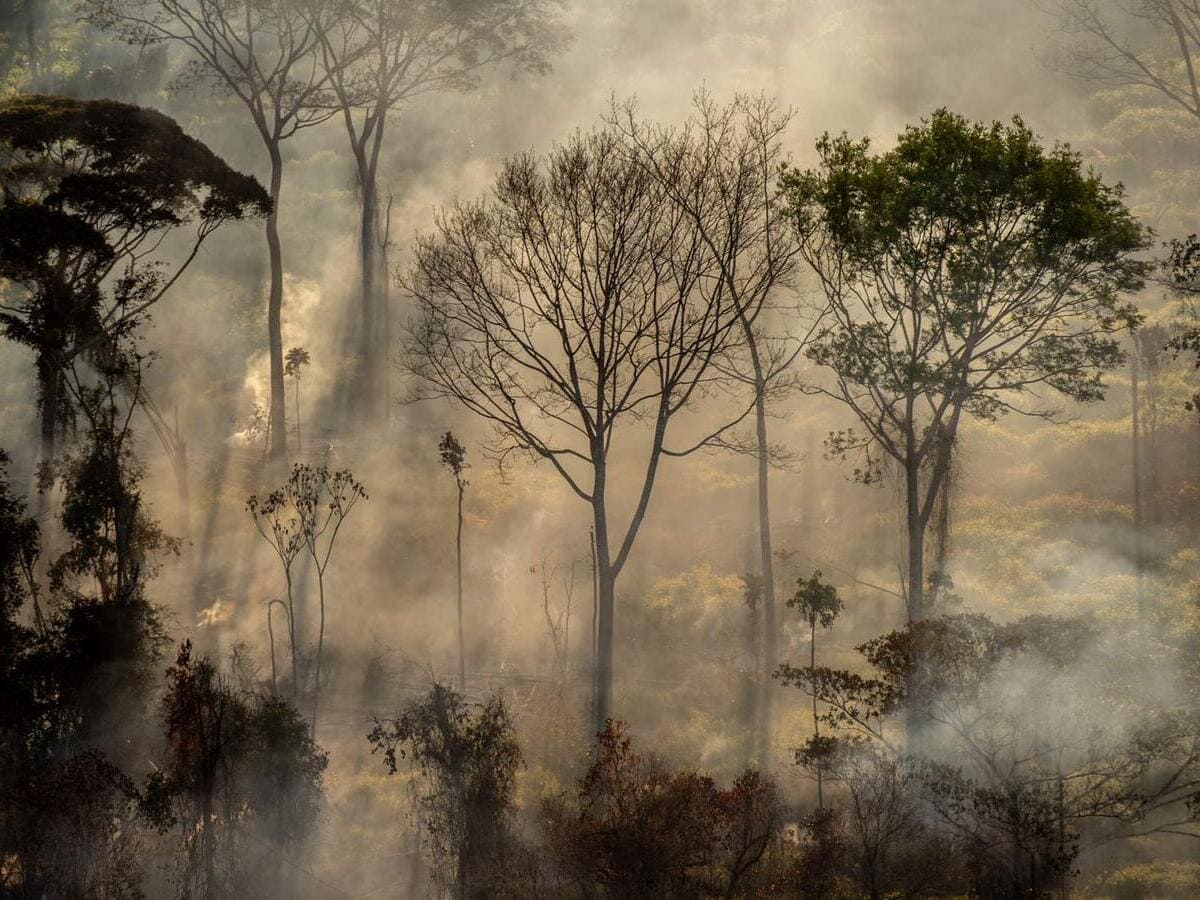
[(291, 611), (320, 650), (605, 594), (373, 264), (812, 664), (915, 719), (462, 652), (278, 447), (751, 688), (770, 633), (299, 442), (1138, 524), (371, 372), (916, 541), (595, 618)]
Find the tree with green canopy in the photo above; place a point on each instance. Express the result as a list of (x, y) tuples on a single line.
[(967, 272), (88, 192), (818, 604)]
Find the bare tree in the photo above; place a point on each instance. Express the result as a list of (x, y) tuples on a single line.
[(322, 500), (1144, 43), (381, 54), (279, 525), (264, 53), (578, 303), (721, 169)]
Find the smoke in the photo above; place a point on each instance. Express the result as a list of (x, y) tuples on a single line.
[(1041, 521)]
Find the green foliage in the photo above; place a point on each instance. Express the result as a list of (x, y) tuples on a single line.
[(817, 601), (963, 268), (88, 190)]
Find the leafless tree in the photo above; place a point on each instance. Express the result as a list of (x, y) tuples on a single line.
[(279, 524), (264, 53), (721, 169), (1145, 43), (380, 55), (322, 500), (579, 302)]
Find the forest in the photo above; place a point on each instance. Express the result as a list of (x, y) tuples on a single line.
[(573, 449)]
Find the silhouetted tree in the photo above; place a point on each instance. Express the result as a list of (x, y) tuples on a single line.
[(580, 299), (381, 54), (468, 758), (264, 54), (294, 363), (819, 604), (638, 829), (306, 514), (88, 190), (453, 456), (238, 765), (721, 168), (277, 521), (1151, 44)]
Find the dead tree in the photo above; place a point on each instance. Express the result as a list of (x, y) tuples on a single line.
[(265, 54), (381, 54), (579, 302)]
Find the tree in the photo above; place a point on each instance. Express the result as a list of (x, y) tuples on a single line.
[(294, 362), (276, 520), (721, 169), (1019, 779), (1156, 52), (263, 53), (453, 456), (468, 759), (965, 271), (381, 54), (306, 514), (75, 680), (237, 764), (578, 301), (819, 604), (639, 829), (90, 189)]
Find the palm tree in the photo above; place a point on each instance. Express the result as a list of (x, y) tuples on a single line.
[(296, 359)]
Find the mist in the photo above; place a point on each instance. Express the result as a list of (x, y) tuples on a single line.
[(261, 642)]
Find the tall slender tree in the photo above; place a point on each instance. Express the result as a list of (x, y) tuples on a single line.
[(378, 56), (265, 54), (577, 304), (294, 363), (740, 217), (454, 457), (819, 604)]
